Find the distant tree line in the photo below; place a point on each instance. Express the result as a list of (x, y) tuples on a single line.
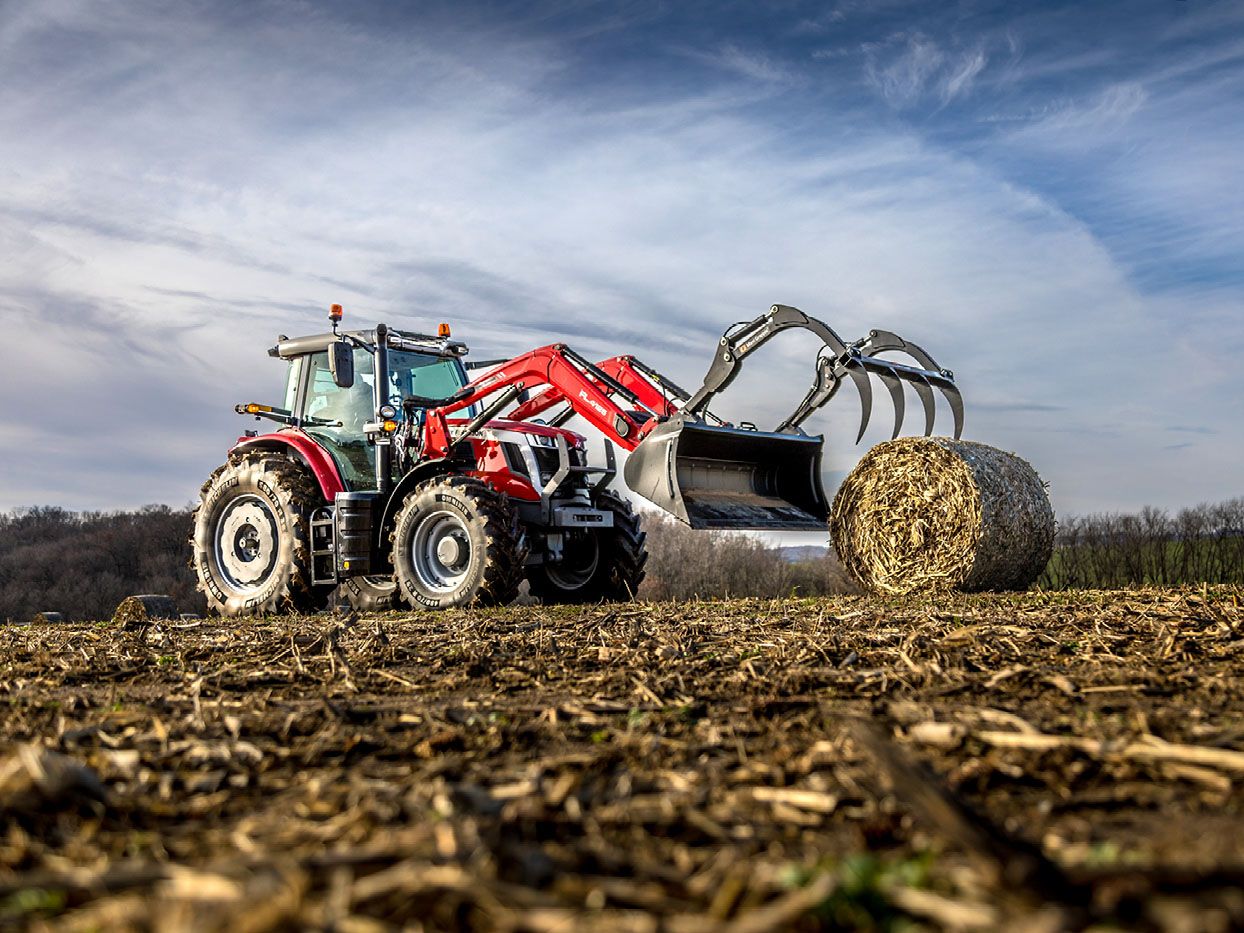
[(686, 564), (82, 564), (1203, 544)]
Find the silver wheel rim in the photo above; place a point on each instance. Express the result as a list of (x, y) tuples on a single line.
[(246, 542), (441, 551), (574, 575)]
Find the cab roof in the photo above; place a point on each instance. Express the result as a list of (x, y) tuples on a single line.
[(290, 347)]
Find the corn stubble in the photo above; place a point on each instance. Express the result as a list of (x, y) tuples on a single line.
[(986, 761)]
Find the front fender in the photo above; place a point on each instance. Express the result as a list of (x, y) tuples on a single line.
[(317, 459), (425, 470)]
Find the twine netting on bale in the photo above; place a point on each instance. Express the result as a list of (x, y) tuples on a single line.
[(933, 513)]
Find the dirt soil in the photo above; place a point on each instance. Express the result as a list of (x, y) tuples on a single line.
[(1037, 761)]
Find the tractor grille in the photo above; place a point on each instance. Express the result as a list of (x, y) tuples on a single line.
[(546, 460)]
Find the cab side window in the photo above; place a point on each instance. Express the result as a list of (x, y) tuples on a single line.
[(327, 401), (292, 380)]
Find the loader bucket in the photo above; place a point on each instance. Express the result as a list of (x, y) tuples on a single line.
[(728, 478)]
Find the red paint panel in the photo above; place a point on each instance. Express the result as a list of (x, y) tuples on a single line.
[(495, 470)]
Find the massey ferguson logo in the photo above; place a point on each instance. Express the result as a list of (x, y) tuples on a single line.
[(597, 405)]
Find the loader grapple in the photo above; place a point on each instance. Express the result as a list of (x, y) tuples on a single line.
[(712, 475)]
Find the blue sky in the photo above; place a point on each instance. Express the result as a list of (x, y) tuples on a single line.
[(1049, 197)]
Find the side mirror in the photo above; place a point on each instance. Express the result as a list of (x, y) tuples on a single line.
[(341, 363)]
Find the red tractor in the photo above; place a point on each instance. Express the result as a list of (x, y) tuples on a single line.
[(395, 475)]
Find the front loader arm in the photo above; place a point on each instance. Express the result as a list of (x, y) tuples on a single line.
[(653, 390), (581, 384)]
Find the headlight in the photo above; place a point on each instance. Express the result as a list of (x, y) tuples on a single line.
[(388, 411)]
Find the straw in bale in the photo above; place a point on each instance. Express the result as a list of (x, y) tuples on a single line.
[(933, 513), (137, 610)]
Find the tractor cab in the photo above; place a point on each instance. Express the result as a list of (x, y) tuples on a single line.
[(345, 415)]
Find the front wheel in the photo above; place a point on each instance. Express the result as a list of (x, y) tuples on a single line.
[(605, 565), (251, 547), (457, 542)]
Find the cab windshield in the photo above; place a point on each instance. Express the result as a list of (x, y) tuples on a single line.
[(336, 416), (413, 373)]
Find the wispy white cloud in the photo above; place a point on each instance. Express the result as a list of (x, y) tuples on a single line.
[(960, 79), (906, 68), (1081, 122), (903, 78), (749, 64)]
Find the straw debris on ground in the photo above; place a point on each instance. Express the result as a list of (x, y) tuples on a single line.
[(933, 513), (1035, 761), (137, 610)]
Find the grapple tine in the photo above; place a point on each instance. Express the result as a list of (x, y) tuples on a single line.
[(895, 385), (859, 375), (951, 391), (921, 385)]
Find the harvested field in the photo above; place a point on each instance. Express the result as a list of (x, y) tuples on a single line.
[(969, 762)]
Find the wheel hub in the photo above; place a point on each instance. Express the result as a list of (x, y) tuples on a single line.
[(246, 541), (450, 550), (441, 551)]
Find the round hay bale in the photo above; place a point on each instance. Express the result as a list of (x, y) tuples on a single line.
[(135, 610), (933, 513)]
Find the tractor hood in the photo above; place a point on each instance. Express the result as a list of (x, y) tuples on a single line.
[(573, 439)]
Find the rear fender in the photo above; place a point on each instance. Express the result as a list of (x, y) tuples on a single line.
[(317, 459)]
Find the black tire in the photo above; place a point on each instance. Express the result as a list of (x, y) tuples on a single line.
[(457, 542), (367, 594), (251, 545), (599, 566)]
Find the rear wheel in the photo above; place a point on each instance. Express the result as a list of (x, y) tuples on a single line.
[(456, 542), (605, 565), (368, 594), (251, 547)]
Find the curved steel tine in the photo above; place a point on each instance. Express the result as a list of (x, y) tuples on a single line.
[(859, 375), (951, 391), (879, 341), (895, 385), (921, 385)]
